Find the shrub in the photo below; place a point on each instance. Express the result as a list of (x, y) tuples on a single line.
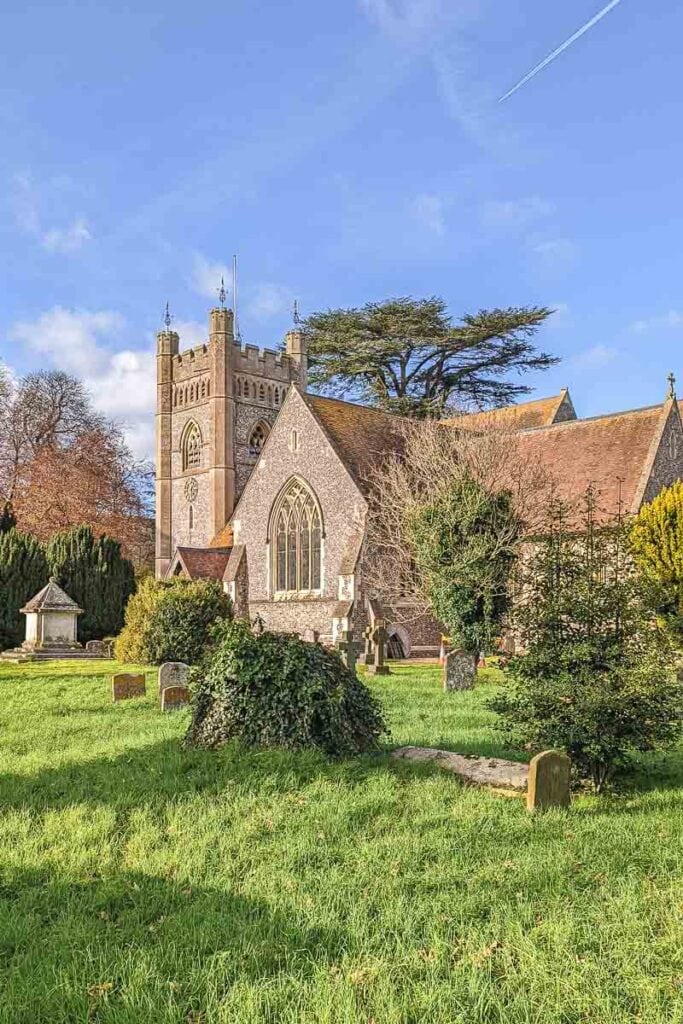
[(276, 690), (171, 621), (657, 546), (23, 572), (96, 576), (596, 677), (465, 545)]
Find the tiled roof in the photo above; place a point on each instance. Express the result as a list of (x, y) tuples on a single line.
[(542, 412), (223, 539), (51, 599), (204, 563), (358, 434), (610, 452)]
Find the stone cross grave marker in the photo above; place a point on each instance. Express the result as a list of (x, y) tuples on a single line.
[(366, 656), (173, 673), (379, 639), (174, 697), (125, 685), (459, 670), (549, 781), (347, 648)]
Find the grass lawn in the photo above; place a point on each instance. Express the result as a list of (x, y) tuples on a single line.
[(143, 883)]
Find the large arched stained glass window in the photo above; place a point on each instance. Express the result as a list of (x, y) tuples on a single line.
[(191, 447), (297, 538)]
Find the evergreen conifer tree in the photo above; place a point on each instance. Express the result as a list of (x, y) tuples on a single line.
[(23, 572), (8, 520), (94, 573)]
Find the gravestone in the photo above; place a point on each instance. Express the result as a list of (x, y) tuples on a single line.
[(173, 697), (459, 670), (97, 648), (366, 656), (379, 639), (173, 673), (311, 636), (126, 684), (549, 781), (346, 646)]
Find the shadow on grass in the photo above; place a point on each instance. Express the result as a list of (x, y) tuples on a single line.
[(166, 770), (75, 945)]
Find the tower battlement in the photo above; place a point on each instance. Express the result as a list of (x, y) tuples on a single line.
[(216, 403)]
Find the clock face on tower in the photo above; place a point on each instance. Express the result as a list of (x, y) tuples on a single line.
[(191, 489)]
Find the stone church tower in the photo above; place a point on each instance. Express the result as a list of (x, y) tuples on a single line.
[(215, 407)]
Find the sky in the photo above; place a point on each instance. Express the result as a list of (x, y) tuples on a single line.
[(347, 151)]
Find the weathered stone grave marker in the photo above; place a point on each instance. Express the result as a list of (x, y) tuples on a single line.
[(379, 639), (125, 685), (366, 656), (173, 697), (347, 648), (459, 671), (97, 648), (311, 636), (549, 781), (173, 673)]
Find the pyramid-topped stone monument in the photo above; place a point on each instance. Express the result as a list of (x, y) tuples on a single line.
[(51, 627)]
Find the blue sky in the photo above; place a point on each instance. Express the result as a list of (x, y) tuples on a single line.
[(348, 150)]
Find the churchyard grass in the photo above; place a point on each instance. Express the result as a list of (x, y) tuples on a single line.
[(140, 882)]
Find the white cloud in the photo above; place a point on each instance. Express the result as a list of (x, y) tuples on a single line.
[(28, 200), (554, 253), (404, 21), (666, 321), (191, 332), (122, 382), (595, 358), (515, 212), (67, 239), (266, 301), (206, 276), (428, 210)]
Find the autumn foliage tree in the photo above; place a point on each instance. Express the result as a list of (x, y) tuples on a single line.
[(62, 464)]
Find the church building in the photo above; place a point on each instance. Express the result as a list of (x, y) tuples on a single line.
[(264, 486)]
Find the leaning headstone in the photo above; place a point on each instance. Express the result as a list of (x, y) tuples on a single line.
[(173, 673), (173, 697), (125, 685), (459, 670), (379, 639), (97, 648), (549, 781), (346, 646)]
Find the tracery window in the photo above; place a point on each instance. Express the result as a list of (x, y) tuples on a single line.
[(297, 541), (191, 447), (258, 437)]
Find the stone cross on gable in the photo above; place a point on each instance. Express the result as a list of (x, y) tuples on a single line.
[(348, 649), (379, 640)]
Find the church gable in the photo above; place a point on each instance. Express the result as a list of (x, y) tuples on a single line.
[(664, 465), (297, 520)]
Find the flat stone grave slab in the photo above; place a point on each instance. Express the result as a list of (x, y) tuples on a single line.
[(125, 685), (482, 771)]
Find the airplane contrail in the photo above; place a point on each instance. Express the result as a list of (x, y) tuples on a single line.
[(556, 53)]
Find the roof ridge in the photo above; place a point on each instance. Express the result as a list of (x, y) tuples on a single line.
[(589, 419)]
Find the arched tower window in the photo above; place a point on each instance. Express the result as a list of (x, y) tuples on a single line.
[(257, 438), (296, 535), (191, 447)]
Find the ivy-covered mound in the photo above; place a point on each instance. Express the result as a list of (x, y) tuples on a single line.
[(276, 690)]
